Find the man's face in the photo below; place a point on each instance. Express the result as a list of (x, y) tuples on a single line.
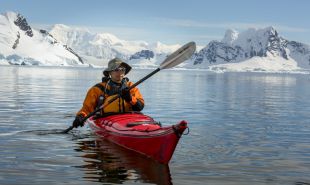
[(118, 74)]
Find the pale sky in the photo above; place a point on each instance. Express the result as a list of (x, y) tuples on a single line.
[(170, 22)]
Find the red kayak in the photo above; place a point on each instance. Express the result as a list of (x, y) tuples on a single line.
[(140, 133)]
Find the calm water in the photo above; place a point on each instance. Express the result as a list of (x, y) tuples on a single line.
[(245, 128)]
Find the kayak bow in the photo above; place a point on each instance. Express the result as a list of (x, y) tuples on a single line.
[(140, 133)]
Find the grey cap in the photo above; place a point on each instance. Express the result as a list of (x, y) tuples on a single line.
[(114, 64)]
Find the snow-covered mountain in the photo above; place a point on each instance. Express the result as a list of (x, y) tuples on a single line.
[(99, 48), (20, 44), (251, 50), (254, 45)]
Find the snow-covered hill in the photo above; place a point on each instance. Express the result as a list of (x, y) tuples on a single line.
[(238, 51), (251, 50), (22, 45), (99, 48)]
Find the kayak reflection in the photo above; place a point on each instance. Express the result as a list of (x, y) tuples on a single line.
[(109, 163)]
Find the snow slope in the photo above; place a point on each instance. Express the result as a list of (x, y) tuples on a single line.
[(22, 45), (258, 64)]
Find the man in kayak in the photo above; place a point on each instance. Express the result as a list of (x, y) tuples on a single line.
[(114, 83)]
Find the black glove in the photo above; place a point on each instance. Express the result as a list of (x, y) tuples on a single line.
[(79, 121), (125, 94)]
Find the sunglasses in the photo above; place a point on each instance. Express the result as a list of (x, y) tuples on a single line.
[(120, 69)]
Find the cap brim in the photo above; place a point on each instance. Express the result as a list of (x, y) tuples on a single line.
[(127, 67), (124, 64)]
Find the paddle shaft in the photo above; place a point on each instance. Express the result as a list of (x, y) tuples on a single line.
[(143, 79)]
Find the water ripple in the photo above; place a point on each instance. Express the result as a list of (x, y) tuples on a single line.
[(245, 128)]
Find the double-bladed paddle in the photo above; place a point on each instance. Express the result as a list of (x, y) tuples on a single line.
[(174, 59)]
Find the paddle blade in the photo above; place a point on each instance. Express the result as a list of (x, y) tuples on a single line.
[(179, 56)]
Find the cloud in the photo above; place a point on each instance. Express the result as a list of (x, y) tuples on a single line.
[(227, 25), (138, 34)]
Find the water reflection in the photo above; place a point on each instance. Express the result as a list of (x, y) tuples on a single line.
[(109, 163), (246, 128)]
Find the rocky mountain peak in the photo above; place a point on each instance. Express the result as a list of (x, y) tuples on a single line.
[(22, 23), (145, 54), (271, 31)]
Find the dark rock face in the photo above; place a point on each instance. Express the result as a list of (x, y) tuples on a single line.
[(16, 41), (21, 22), (298, 47), (219, 51), (74, 53), (277, 45), (46, 33), (147, 54), (299, 50)]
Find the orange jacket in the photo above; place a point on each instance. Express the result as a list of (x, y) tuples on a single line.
[(92, 98)]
